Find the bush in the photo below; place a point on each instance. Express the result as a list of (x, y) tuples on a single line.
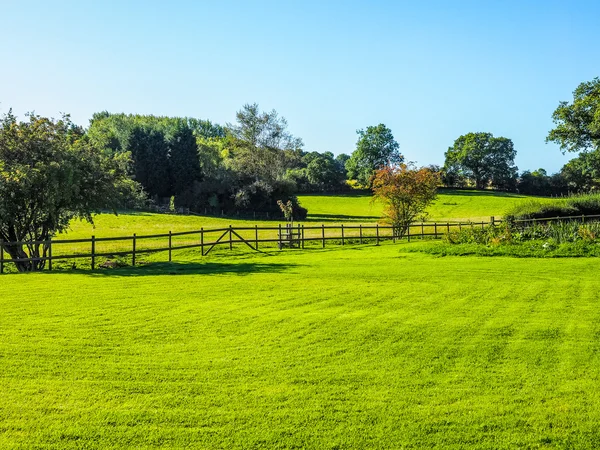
[(577, 205), (511, 233)]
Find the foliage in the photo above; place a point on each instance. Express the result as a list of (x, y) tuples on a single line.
[(565, 238), (482, 159), (287, 209), (325, 172), (51, 173), (263, 129), (539, 182), (575, 205), (582, 174), (375, 149), (207, 167), (163, 149), (406, 193), (578, 123), (527, 249)]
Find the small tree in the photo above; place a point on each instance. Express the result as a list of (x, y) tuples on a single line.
[(288, 211), (406, 192)]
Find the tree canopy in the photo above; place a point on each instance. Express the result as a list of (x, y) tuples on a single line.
[(50, 173), (406, 192), (578, 123), (375, 148), (482, 159)]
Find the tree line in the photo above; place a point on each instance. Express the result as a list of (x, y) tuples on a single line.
[(52, 171), (252, 163), (481, 160)]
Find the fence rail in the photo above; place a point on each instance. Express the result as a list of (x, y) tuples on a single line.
[(256, 238)]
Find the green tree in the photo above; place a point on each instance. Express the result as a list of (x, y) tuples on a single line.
[(324, 172), (150, 153), (375, 148), (263, 129), (183, 156), (341, 161), (51, 173), (582, 174), (165, 153), (483, 159), (578, 123)]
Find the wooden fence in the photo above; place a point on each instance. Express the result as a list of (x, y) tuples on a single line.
[(256, 238)]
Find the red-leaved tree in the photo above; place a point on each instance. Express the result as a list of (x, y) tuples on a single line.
[(406, 192)]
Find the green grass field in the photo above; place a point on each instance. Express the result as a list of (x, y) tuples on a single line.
[(450, 205), (344, 348), (329, 210)]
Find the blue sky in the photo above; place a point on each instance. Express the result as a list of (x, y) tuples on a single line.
[(429, 70)]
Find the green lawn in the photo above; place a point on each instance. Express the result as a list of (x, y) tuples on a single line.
[(361, 347)]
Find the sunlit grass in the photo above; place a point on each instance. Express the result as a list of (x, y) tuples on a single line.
[(362, 347)]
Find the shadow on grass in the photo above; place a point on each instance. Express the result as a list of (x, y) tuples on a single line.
[(476, 193), (174, 268), (337, 217), (346, 194)]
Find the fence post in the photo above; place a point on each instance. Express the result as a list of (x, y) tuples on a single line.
[(50, 254), (482, 225), (342, 234), (377, 232), (202, 240), (422, 230), (230, 239), (256, 236), (302, 236), (93, 252), (360, 232), (133, 252), (435, 229), (448, 227), (323, 234), (1, 256), (280, 238), (170, 246), (299, 234), (493, 220), (408, 232)]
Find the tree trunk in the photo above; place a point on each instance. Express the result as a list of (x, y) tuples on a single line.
[(18, 252)]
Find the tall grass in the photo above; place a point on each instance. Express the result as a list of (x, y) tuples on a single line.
[(510, 233)]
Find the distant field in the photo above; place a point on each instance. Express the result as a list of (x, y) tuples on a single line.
[(362, 347), (452, 205)]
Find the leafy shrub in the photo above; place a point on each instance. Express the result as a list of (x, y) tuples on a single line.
[(536, 209), (576, 205), (512, 233)]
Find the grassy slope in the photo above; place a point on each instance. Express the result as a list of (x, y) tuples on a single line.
[(451, 205), (236, 352)]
